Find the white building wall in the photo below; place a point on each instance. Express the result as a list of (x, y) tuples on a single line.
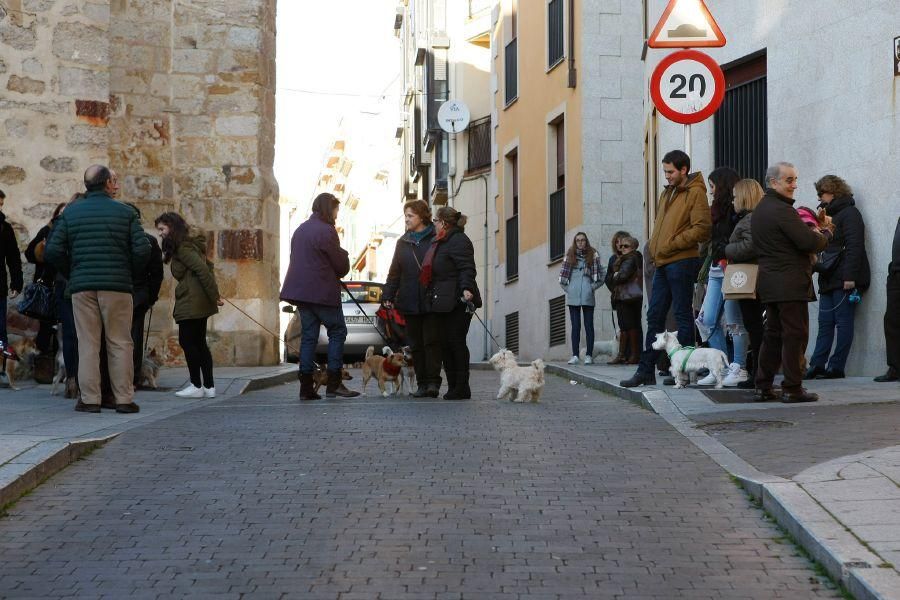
[(832, 109)]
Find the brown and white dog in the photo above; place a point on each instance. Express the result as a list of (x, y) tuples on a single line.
[(383, 369), (408, 374), (17, 370)]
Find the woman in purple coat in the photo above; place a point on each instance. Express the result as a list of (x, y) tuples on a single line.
[(312, 284)]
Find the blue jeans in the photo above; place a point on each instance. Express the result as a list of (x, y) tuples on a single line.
[(714, 306), (835, 313), (312, 318), (673, 286), (3, 337), (575, 317)]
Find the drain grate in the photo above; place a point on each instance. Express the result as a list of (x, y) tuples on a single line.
[(748, 426)]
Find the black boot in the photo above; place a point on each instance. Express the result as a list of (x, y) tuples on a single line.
[(432, 390), (461, 390), (639, 379), (335, 387), (421, 391), (308, 387)]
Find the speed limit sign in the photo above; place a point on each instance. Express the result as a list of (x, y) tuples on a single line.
[(687, 86)]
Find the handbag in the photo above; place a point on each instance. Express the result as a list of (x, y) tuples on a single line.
[(740, 281), (38, 302), (827, 261), (629, 291)]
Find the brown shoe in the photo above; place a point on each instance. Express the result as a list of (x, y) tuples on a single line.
[(634, 345), (108, 402), (88, 408), (127, 409), (800, 395), (335, 387), (623, 350), (72, 391), (308, 387), (767, 395)]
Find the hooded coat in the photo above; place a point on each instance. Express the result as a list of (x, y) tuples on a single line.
[(849, 239), (196, 293), (682, 223), (783, 246)]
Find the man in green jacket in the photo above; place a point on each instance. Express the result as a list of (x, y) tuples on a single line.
[(99, 244)]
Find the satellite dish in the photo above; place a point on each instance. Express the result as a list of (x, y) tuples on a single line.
[(453, 116)]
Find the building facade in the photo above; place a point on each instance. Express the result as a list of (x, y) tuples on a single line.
[(813, 84), (446, 50), (567, 112)]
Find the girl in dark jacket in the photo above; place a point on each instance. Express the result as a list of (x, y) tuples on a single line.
[(845, 268), (448, 275), (196, 299), (404, 292), (44, 273), (628, 295), (624, 346)]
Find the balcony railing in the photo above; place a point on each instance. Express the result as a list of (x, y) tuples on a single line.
[(479, 144), (557, 224), (512, 247), (512, 71)]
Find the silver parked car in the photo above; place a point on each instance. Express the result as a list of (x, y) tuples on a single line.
[(360, 332)]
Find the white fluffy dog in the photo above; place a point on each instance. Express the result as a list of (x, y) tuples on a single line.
[(689, 360), (518, 383)]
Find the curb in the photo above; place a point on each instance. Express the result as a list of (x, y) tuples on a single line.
[(841, 554), (245, 385), (34, 466)]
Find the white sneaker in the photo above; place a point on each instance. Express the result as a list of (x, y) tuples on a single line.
[(708, 380), (735, 375), (588, 360), (209, 392), (190, 392), (573, 360)]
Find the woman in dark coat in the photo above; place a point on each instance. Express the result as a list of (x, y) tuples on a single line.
[(628, 296), (624, 347), (404, 292), (44, 273), (196, 299), (451, 293), (845, 268)]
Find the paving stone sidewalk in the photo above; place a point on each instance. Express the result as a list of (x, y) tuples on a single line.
[(261, 496), (836, 460)]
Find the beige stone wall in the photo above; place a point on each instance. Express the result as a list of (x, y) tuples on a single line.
[(179, 100)]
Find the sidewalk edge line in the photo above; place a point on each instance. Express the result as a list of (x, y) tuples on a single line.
[(52, 464)]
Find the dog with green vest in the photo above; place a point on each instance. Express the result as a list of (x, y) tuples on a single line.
[(687, 359)]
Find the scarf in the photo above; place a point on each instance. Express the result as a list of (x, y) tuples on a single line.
[(594, 269), (425, 273), (418, 236)]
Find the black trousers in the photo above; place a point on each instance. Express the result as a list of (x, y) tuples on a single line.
[(455, 349), (137, 336), (892, 322), (784, 342), (752, 313), (426, 341), (192, 339)]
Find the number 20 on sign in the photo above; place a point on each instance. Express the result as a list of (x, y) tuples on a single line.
[(687, 87)]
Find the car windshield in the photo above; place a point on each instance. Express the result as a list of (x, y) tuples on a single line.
[(364, 293)]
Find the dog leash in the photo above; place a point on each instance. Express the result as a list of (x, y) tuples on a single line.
[(470, 308), (362, 310), (263, 327)]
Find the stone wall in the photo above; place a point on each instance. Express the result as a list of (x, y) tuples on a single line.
[(178, 97)]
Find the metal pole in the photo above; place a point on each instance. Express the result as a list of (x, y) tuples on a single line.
[(687, 139), (484, 295)]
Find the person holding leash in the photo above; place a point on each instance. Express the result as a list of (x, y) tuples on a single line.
[(196, 299), (313, 285), (404, 292), (448, 275)]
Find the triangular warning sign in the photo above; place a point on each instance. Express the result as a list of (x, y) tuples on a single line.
[(686, 24)]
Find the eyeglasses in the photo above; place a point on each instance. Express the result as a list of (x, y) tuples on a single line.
[(581, 241), (623, 245), (790, 180)]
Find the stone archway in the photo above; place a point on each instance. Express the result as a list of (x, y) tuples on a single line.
[(178, 96)]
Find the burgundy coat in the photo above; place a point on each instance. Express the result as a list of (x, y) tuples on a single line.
[(317, 264)]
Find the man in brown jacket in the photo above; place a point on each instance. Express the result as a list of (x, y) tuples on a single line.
[(784, 245), (682, 224)]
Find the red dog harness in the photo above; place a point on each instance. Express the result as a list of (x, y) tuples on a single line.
[(390, 368)]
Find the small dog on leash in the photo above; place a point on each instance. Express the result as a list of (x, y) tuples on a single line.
[(408, 373), (383, 369), (23, 368), (689, 360), (605, 348), (150, 367), (518, 384), (320, 377)]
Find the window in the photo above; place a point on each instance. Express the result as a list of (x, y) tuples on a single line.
[(555, 32), (479, 144), (558, 321), (512, 222), (557, 180), (560, 134), (741, 125), (510, 55), (514, 168), (512, 332)]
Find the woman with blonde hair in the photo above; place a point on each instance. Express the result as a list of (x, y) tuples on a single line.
[(740, 249), (580, 276)]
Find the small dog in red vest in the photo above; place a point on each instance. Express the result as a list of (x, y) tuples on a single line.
[(383, 369)]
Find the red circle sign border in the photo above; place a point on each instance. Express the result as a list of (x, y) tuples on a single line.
[(665, 109)]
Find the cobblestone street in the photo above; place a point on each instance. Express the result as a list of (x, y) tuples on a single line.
[(260, 496)]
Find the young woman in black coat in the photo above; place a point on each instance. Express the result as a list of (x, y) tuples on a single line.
[(404, 292), (448, 275), (44, 273), (845, 268)]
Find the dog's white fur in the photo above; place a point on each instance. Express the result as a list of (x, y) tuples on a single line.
[(708, 358), (518, 384), (60, 377), (605, 348)]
